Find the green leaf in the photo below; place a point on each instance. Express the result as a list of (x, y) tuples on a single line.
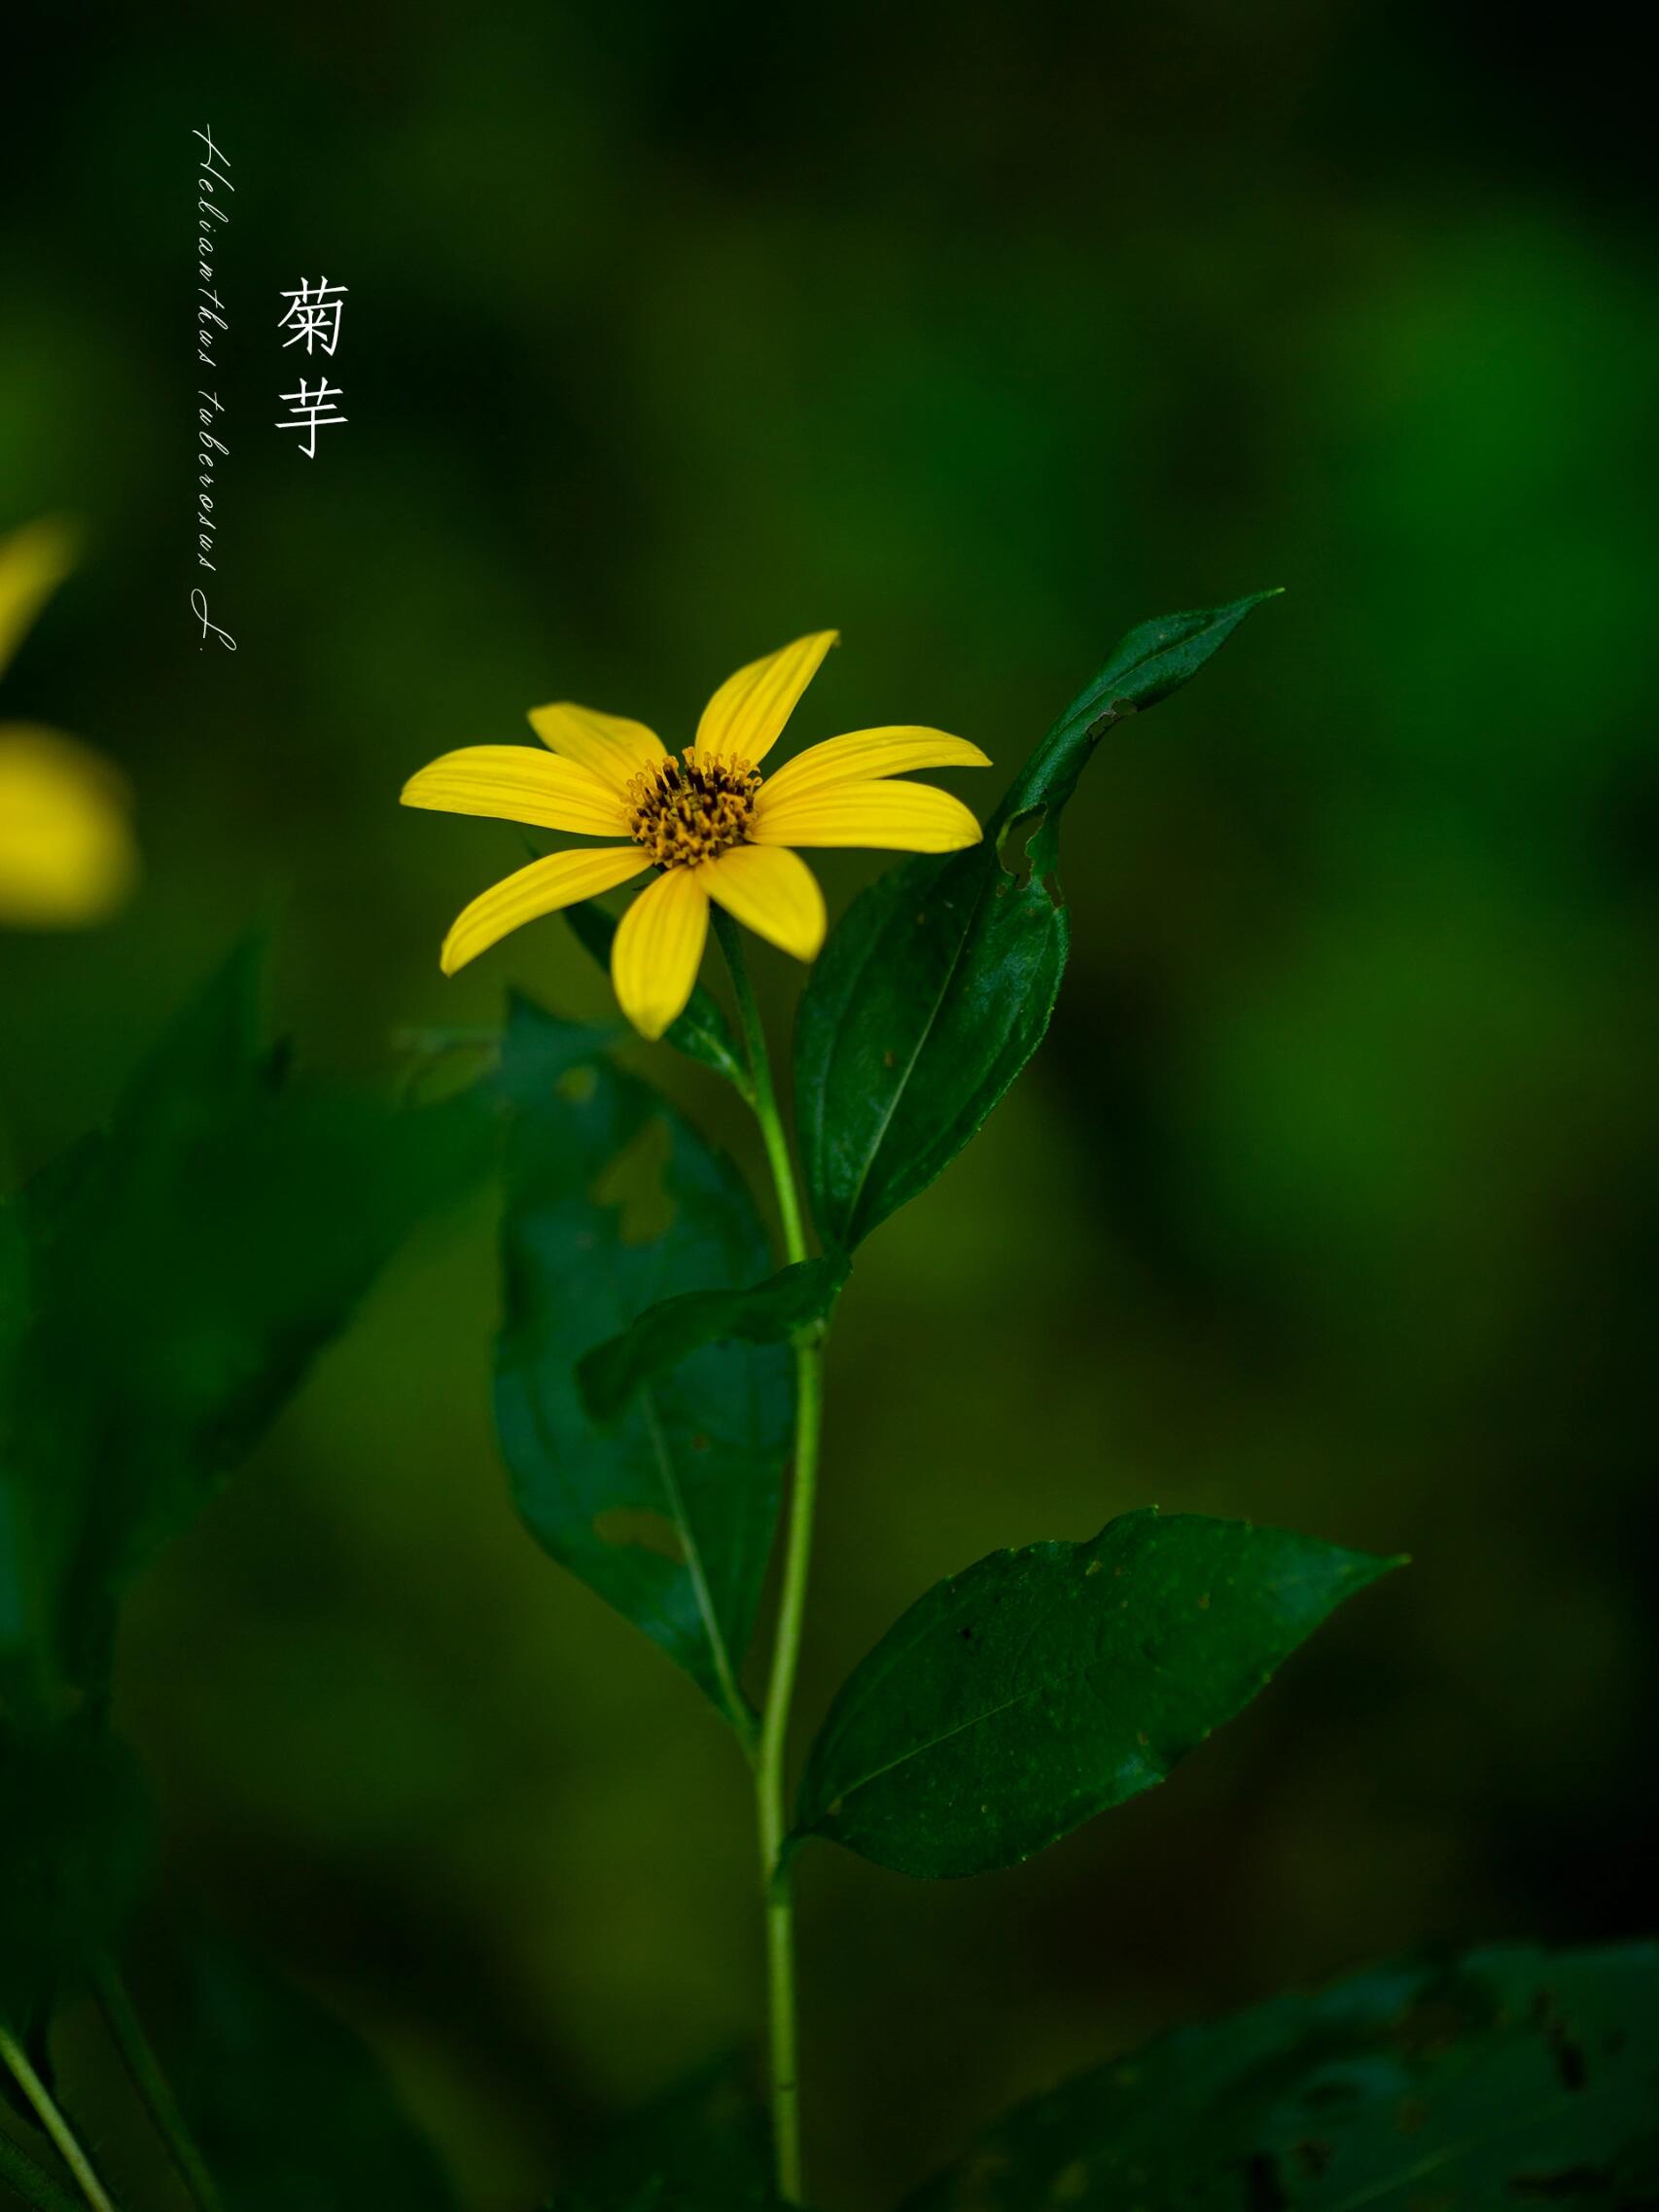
[(937, 984), (1147, 666), (186, 1267), (614, 1203), (702, 2148), (291, 2110), (702, 1032), (1504, 2079), (1039, 1688), (613, 1373), (31, 2183), (74, 1850)]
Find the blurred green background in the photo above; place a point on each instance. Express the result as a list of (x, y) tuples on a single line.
[(981, 333)]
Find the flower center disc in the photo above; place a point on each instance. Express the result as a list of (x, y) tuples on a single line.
[(694, 807)]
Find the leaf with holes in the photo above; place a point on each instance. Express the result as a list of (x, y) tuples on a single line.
[(1502, 2079), (1039, 1688), (612, 1204), (937, 984), (796, 1298)]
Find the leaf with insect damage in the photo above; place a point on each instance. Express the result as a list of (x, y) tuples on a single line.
[(1491, 2083), (615, 1204)]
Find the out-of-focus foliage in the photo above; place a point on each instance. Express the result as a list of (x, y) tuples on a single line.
[(180, 1270), (1512, 2074), (980, 335), (74, 1849), (702, 2146), (289, 2107), (164, 1284)]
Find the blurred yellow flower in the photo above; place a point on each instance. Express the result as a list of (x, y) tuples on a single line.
[(705, 818), (67, 856)]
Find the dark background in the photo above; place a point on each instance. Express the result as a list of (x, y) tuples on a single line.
[(981, 333)]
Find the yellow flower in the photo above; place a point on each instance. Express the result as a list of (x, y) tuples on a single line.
[(706, 819), (67, 856)]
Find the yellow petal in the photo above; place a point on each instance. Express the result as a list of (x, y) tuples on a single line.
[(67, 856), (746, 714), (562, 879), (657, 947), (513, 784), (771, 892), (896, 817), (866, 753), (607, 745), (33, 563)]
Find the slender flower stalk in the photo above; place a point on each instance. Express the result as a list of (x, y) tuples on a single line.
[(772, 1821), (138, 2056), (719, 834), (54, 2121)]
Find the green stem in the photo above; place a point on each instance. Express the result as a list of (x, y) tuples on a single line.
[(777, 1878), (776, 1882), (138, 2056), (13, 2053)]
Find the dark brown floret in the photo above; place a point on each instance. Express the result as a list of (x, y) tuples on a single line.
[(693, 807)]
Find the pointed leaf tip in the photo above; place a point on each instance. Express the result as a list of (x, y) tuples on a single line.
[(938, 984), (1037, 1688)]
